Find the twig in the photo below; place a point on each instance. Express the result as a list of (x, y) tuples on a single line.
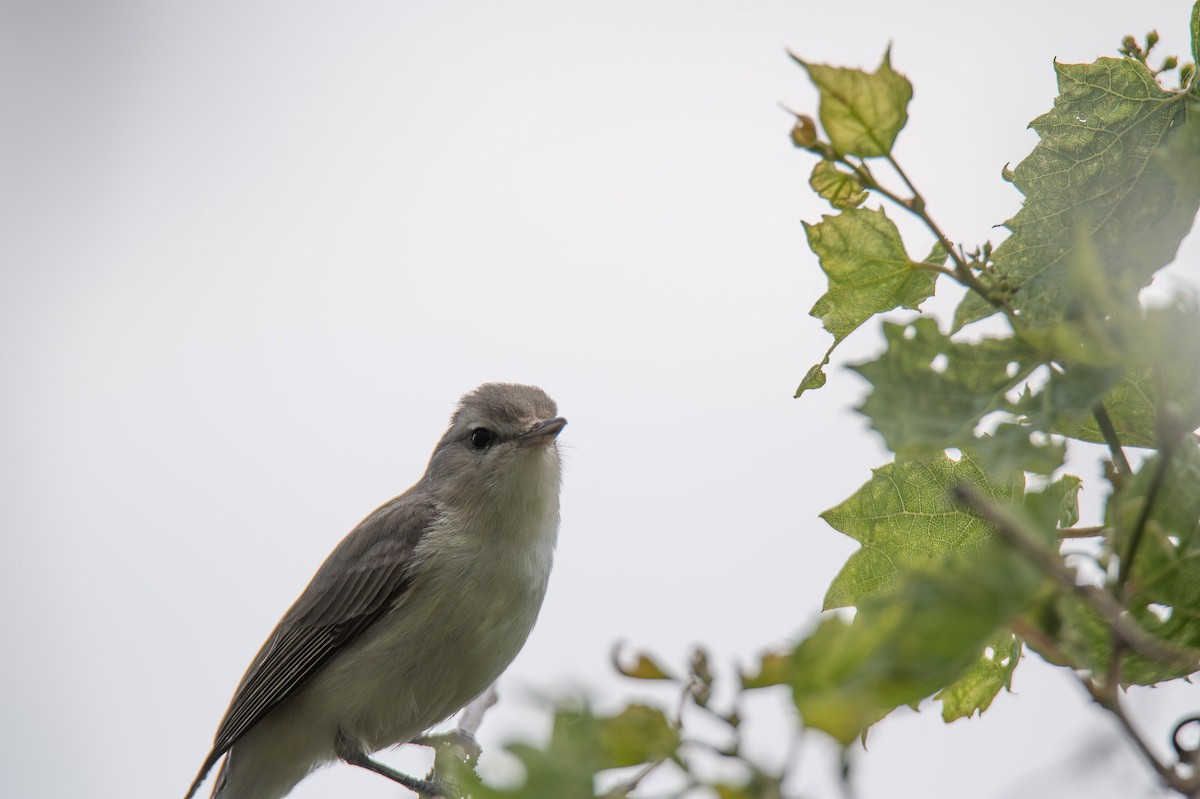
[(1108, 698), (1081, 532), (1104, 422), (1105, 694)]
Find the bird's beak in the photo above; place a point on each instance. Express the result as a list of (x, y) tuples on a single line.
[(543, 432)]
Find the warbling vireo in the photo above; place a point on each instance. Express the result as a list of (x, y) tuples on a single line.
[(415, 613)]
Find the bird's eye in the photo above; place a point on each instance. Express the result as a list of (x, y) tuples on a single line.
[(482, 438)]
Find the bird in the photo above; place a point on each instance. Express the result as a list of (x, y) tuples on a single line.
[(416, 612)]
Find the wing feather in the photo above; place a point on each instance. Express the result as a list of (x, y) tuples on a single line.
[(359, 581)]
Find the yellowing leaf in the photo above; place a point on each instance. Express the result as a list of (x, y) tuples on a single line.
[(840, 188)]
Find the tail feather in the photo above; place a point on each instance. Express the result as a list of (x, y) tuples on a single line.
[(209, 762)]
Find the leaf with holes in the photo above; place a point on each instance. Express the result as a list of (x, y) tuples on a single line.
[(929, 393)]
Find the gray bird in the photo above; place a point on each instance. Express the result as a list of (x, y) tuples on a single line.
[(415, 613)]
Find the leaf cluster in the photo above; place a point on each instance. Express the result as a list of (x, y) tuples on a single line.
[(960, 568)]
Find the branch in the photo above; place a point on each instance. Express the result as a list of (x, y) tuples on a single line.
[(1081, 532), (1113, 612), (1125, 633), (1108, 698)]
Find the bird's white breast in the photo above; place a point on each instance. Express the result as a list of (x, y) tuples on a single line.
[(482, 575)]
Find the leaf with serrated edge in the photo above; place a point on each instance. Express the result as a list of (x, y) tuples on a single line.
[(975, 689), (905, 516), (915, 641), (868, 269), (862, 112), (869, 272), (929, 393), (1119, 162), (1010, 447)]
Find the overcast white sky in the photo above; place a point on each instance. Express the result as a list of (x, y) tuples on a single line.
[(252, 253)]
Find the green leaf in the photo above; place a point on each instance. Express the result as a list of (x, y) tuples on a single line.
[(772, 670), (929, 393), (1166, 571), (841, 189), (862, 112), (1011, 447), (1117, 167), (581, 745), (904, 516), (645, 668), (1196, 33), (638, 734), (975, 689), (815, 377), (564, 768), (869, 272), (1065, 402), (924, 636), (1057, 505), (1158, 348), (1163, 593)]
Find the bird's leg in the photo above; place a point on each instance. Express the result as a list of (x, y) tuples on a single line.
[(353, 755)]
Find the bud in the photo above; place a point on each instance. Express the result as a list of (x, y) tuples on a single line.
[(804, 132)]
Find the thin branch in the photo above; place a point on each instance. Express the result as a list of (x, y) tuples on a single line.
[(917, 206), (1113, 612), (1081, 532), (1108, 698), (1104, 422), (1135, 539)]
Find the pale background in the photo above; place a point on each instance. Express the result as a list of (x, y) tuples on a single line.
[(252, 253)]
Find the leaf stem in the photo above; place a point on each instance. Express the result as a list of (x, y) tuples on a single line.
[(1081, 532), (916, 206)]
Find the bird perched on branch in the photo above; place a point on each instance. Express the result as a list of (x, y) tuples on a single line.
[(415, 613)]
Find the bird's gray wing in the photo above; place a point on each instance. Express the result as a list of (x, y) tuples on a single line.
[(357, 583)]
